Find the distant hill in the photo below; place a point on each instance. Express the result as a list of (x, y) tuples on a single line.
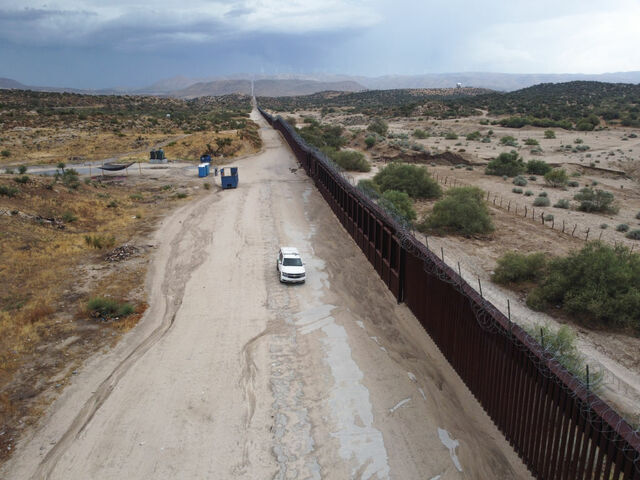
[(264, 88), (494, 81), (6, 83)]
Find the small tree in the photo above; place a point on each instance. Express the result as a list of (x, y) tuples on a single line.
[(595, 201), (61, 166), (507, 163), (509, 141), (378, 126), (538, 167), (462, 211), (399, 204), (556, 178), (549, 134), (351, 160), (413, 180), (370, 141)]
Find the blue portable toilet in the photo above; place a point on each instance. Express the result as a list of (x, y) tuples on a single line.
[(229, 177), (205, 159), (202, 170)]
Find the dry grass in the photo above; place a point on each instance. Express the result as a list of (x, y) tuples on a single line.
[(48, 274)]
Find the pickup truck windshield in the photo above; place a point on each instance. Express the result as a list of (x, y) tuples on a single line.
[(292, 262)]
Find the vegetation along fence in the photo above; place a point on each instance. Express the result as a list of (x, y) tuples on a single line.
[(560, 428)]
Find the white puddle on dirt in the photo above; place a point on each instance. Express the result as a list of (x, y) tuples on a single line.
[(451, 444), (349, 401)]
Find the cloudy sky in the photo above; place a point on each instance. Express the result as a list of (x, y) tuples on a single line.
[(106, 43)]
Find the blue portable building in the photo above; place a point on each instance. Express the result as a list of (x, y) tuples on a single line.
[(229, 177)]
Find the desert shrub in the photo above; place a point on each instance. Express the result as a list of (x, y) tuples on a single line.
[(22, 169), (595, 201), (556, 178), (507, 163), (633, 234), (207, 186), (451, 136), (100, 241), (369, 188), (462, 211), (351, 160), (8, 191), (520, 181), (578, 140), (638, 215), (5, 153), (112, 204), (378, 126), (531, 141), (515, 267), (548, 217), (413, 180), (22, 179), (136, 196), (180, 195), (538, 167), (473, 136), (604, 226), (398, 204), (573, 183), (108, 308), (533, 178), (549, 134), (509, 141), (69, 217), (61, 166), (8, 170), (421, 134), (69, 178), (516, 190), (370, 141), (543, 194), (599, 282), (562, 203), (528, 193), (541, 202), (623, 227)]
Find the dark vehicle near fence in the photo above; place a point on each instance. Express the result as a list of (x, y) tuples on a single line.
[(558, 427)]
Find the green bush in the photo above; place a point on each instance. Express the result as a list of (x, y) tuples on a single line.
[(623, 227), (541, 202), (351, 160), (370, 141), (633, 235), (8, 191), (548, 217), (604, 226), (451, 136), (557, 177), (515, 267), (516, 190), (462, 211), (369, 188), (8, 170), (528, 193), (507, 163), (421, 134), (22, 169), (538, 167), (69, 217), (108, 308), (573, 183), (22, 179), (595, 201), (100, 241), (473, 136), (562, 203), (598, 282), (399, 204), (520, 181), (5, 153), (378, 126), (533, 178), (549, 134), (509, 141), (543, 194), (413, 180), (531, 141)]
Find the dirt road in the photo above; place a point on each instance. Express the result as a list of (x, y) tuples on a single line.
[(232, 375)]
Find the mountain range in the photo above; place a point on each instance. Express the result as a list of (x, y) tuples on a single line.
[(288, 84)]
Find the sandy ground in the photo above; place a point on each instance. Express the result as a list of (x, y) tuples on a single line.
[(232, 375)]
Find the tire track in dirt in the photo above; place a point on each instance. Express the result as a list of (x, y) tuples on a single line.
[(181, 262)]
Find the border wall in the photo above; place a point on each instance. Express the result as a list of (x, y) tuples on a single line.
[(559, 428)]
